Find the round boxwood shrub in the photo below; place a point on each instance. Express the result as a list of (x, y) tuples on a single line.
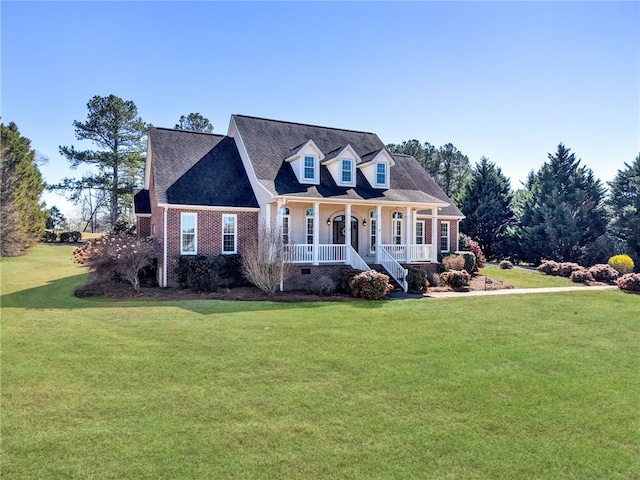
[(581, 276), (506, 265), (416, 280), (371, 285), (456, 278), (629, 282), (604, 273)]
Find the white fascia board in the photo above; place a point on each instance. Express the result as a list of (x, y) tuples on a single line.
[(310, 144), (348, 152), (147, 164), (383, 156), (421, 206), (261, 192), (143, 215), (176, 206)]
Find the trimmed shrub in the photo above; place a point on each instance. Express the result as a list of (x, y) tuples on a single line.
[(370, 285), (548, 267), (622, 263), (346, 275), (416, 280), (505, 265), (469, 261), (229, 270), (70, 237), (456, 278), (323, 286), (581, 276), (453, 262), (604, 273), (49, 237), (197, 272), (565, 269), (629, 282)]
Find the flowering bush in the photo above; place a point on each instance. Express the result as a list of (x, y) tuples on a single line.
[(602, 272), (117, 257), (581, 276), (629, 282), (565, 269), (506, 265), (453, 262), (477, 251), (371, 285), (622, 263), (456, 278), (549, 267)]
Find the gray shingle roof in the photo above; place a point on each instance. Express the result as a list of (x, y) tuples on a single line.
[(270, 142), (141, 202), (191, 168)]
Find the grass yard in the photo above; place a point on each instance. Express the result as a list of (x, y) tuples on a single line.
[(538, 386), (521, 277)]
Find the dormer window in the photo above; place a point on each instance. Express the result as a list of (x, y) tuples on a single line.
[(309, 168), (347, 171), (381, 174)]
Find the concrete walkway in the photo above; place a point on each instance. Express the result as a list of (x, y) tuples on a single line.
[(400, 295)]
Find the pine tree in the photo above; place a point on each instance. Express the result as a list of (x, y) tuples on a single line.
[(563, 210), (624, 202), (485, 200), (194, 122), (21, 215), (114, 126)]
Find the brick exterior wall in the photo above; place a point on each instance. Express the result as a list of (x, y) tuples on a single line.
[(143, 226), (453, 232), (301, 277), (209, 233)]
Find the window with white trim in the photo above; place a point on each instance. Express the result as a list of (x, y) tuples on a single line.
[(373, 231), (229, 233), (396, 228), (310, 226), (286, 222), (188, 233), (347, 171), (381, 174), (309, 167), (444, 236), (419, 232)]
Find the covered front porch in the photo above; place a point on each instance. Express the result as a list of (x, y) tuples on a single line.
[(357, 234)]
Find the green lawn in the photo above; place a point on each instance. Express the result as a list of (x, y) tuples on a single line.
[(521, 277), (538, 386)]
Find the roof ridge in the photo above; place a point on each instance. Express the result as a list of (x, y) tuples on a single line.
[(302, 124), (189, 131)]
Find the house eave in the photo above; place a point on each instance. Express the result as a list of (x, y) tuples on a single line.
[(176, 206)]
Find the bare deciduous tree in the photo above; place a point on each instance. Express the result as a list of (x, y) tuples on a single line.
[(264, 261)]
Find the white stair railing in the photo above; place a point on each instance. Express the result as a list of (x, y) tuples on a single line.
[(420, 252), (391, 265), (356, 261)]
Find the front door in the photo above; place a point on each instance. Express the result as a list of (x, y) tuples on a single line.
[(339, 231)]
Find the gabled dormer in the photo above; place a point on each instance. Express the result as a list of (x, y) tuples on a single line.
[(376, 168), (305, 160), (342, 163)]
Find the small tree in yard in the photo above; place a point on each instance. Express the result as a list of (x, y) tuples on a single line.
[(117, 257), (264, 260)]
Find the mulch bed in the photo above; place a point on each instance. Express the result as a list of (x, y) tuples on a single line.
[(123, 291)]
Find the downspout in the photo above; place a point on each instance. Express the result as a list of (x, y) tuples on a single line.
[(164, 248)]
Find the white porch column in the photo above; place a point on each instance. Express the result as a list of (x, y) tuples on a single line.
[(279, 214), (267, 216), (347, 231), (435, 241), (316, 231), (407, 239), (378, 231)]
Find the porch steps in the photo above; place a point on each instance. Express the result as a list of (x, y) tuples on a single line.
[(380, 269)]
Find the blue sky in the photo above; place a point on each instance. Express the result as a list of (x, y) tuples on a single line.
[(507, 80)]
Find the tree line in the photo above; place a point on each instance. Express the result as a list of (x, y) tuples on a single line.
[(563, 212)]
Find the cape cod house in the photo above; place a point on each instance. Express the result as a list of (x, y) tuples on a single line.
[(339, 197)]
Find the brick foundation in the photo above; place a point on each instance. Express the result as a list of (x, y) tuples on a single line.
[(301, 277)]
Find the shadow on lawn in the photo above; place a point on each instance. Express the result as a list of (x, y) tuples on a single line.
[(58, 294)]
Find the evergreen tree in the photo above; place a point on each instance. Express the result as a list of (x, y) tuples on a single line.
[(114, 126), (562, 212), (624, 202), (195, 123), (21, 215), (56, 221), (485, 200)]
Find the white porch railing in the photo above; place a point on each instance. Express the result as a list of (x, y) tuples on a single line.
[(391, 265), (327, 253), (357, 261), (417, 252)]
